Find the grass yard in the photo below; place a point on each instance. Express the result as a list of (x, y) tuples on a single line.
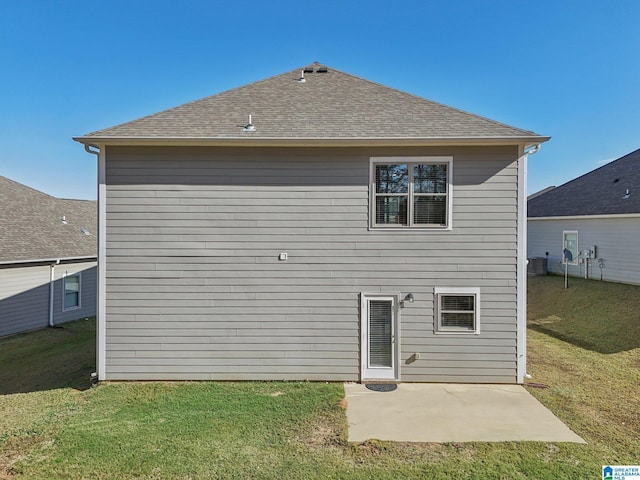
[(583, 344)]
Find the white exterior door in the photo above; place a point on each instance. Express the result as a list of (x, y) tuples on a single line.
[(379, 342)]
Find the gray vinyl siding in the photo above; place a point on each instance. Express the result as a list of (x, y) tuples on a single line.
[(24, 296), (24, 299), (194, 288), (88, 283), (616, 240)]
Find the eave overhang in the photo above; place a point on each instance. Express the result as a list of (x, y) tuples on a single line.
[(47, 261), (97, 141), (596, 216)]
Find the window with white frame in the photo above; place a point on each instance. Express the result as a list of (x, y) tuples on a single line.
[(71, 285), (570, 247), (410, 192), (457, 310)]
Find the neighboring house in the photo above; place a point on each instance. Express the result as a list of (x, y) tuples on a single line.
[(599, 214), (47, 259), (313, 225)]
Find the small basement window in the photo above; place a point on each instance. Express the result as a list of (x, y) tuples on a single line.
[(457, 310), (71, 292)]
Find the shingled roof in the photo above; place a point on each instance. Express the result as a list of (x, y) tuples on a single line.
[(32, 226), (327, 105), (609, 190)]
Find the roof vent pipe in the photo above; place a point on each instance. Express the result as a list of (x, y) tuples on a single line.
[(249, 126), (302, 79)]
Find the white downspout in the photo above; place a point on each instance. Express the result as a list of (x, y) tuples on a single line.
[(52, 279), (521, 341), (101, 330)]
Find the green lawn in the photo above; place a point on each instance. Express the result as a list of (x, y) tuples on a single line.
[(53, 426)]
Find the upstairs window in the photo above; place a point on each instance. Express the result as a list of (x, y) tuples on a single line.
[(411, 192)]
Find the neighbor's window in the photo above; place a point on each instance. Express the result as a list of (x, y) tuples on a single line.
[(410, 192), (71, 292), (458, 310), (570, 247)]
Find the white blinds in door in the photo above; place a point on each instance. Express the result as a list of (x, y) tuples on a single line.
[(380, 333)]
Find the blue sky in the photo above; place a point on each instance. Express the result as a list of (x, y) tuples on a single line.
[(564, 68)]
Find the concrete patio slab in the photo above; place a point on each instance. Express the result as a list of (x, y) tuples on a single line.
[(451, 413)]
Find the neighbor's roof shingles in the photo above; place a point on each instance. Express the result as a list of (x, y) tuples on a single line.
[(332, 105), (31, 226), (599, 192)]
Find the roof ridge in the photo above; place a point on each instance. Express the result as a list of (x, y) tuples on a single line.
[(608, 189), (590, 172), (27, 187), (364, 109), (75, 199)]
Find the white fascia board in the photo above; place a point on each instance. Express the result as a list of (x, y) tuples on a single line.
[(587, 217), (51, 260), (252, 141)]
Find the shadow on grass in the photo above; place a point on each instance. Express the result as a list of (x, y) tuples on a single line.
[(47, 359), (586, 343), (599, 316)]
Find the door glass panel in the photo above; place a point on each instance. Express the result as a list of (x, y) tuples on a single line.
[(380, 333)]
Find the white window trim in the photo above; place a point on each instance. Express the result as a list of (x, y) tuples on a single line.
[(395, 160), (64, 290), (575, 260), (440, 291), (367, 373)]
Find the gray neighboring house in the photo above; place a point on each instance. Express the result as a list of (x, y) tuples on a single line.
[(312, 226), (48, 254), (602, 210)]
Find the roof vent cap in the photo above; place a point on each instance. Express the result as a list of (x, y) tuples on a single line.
[(249, 126)]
